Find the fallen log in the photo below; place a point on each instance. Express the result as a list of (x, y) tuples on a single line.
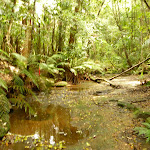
[(130, 69), (99, 80)]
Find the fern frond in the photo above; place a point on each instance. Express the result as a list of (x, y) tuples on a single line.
[(4, 58), (147, 125), (144, 131), (58, 57), (20, 102), (5, 53), (48, 68), (3, 84), (18, 81), (20, 60), (31, 76), (61, 69), (19, 57), (4, 105), (73, 71), (50, 60), (2, 91)]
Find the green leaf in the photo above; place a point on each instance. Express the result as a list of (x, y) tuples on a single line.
[(18, 81), (73, 71), (5, 53), (19, 57), (3, 84), (147, 125), (31, 76)]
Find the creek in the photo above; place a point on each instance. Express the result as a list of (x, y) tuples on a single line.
[(76, 117)]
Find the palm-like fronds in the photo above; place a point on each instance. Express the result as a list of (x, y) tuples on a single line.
[(4, 105), (58, 57), (4, 53), (88, 67), (20, 102), (31, 76), (144, 130), (50, 68), (3, 84), (20, 60), (18, 81)]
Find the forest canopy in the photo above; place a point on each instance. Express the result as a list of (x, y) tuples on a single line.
[(114, 34)]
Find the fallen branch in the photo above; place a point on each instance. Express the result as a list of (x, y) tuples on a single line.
[(99, 80), (130, 69), (139, 101)]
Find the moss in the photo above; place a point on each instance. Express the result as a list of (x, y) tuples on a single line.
[(127, 105), (143, 114), (61, 84)]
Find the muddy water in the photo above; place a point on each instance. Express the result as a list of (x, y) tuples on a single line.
[(84, 116)]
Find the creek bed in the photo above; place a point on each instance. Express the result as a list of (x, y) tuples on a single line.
[(75, 118)]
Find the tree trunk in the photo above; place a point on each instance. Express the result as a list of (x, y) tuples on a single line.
[(32, 32), (53, 37), (73, 29), (60, 40)]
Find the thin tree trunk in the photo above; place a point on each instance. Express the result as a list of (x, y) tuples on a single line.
[(101, 7), (147, 4), (32, 32), (73, 29), (53, 37), (39, 40), (60, 40)]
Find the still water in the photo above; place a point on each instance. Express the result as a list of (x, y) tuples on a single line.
[(75, 118)]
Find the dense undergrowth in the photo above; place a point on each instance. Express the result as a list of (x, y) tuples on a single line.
[(37, 73)]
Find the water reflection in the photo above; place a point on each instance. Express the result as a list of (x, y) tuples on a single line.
[(52, 123)]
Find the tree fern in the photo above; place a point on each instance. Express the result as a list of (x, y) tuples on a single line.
[(88, 67), (49, 68), (31, 76)]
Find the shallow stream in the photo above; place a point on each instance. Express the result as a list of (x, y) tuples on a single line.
[(77, 117)]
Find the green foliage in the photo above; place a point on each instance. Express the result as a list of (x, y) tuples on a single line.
[(31, 76), (3, 84), (52, 63), (4, 56), (19, 60), (4, 104), (144, 130), (20, 91), (21, 102), (86, 67), (18, 81), (148, 84)]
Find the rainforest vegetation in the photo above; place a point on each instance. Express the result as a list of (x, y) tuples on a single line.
[(52, 43)]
